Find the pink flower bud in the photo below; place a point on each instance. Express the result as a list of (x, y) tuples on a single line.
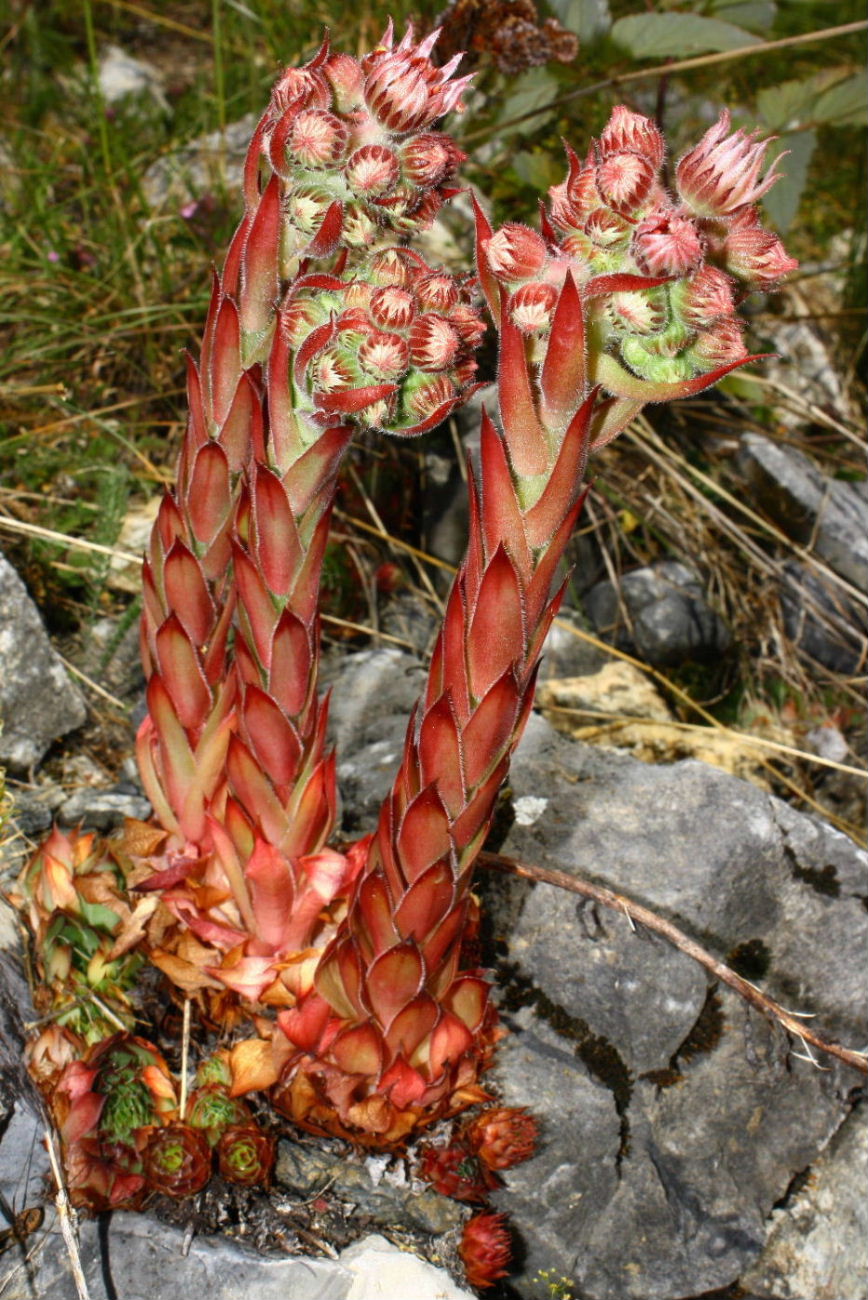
[(607, 230), (625, 180), (318, 138), (301, 88), (358, 294), (393, 308), (531, 306), (582, 190), (429, 396), (581, 250), (384, 355), (358, 228), (637, 312), (704, 298), (298, 318), (757, 256), (516, 252), (667, 245), (389, 267), (345, 76), (719, 345), (723, 172), (436, 292), (372, 170), (428, 160), (626, 130), (564, 216), (404, 90), (433, 343), (469, 324), (332, 371), (307, 206)]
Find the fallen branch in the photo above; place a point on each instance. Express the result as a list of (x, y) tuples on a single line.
[(636, 912)]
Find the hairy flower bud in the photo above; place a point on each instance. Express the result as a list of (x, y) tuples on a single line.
[(437, 292), (516, 252), (346, 79), (757, 256), (720, 345), (393, 308), (722, 172), (372, 170), (385, 356), (627, 130), (429, 160), (704, 298), (665, 244), (428, 395), (433, 343), (625, 180), (502, 1137), (403, 88), (318, 138), (531, 306), (639, 311), (608, 230)]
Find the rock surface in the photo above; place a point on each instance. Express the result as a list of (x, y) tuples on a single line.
[(659, 612), (38, 702), (828, 514), (674, 1119)]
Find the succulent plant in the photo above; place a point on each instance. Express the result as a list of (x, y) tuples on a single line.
[(245, 1155), (485, 1249), (176, 1160)]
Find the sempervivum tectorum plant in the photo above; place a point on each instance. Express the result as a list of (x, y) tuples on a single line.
[(176, 1160), (104, 1107), (74, 895), (485, 1249), (297, 354), (245, 1155), (661, 274)]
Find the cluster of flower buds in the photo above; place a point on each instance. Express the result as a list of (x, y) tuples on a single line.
[(348, 152), (400, 338), (661, 274), (74, 894)]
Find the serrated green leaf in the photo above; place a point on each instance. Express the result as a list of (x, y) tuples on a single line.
[(793, 102), (531, 91), (782, 201), (661, 36), (755, 15), (589, 19), (538, 169), (846, 102)]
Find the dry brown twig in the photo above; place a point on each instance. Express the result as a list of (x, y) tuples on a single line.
[(635, 912)]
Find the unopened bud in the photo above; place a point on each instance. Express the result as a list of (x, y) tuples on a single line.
[(667, 245), (636, 312), (531, 307), (372, 170), (704, 298), (608, 230), (625, 180), (648, 364), (723, 172), (433, 343), (393, 308), (516, 252), (389, 267), (437, 292), (429, 160), (318, 138), (358, 228), (757, 256), (345, 76), (307, 206), (627, 130), (386, 356), (720, 345), (428, 395)]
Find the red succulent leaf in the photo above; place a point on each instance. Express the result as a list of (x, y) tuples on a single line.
[(393, 980), (485, 1250)]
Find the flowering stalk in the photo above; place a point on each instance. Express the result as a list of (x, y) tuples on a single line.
[(396, 1034), (317, 326)]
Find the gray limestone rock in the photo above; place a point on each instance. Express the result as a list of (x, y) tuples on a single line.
[(38, 702), (668, 620), (829, 514)]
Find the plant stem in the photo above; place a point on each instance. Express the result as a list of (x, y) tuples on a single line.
[(665, 69)]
